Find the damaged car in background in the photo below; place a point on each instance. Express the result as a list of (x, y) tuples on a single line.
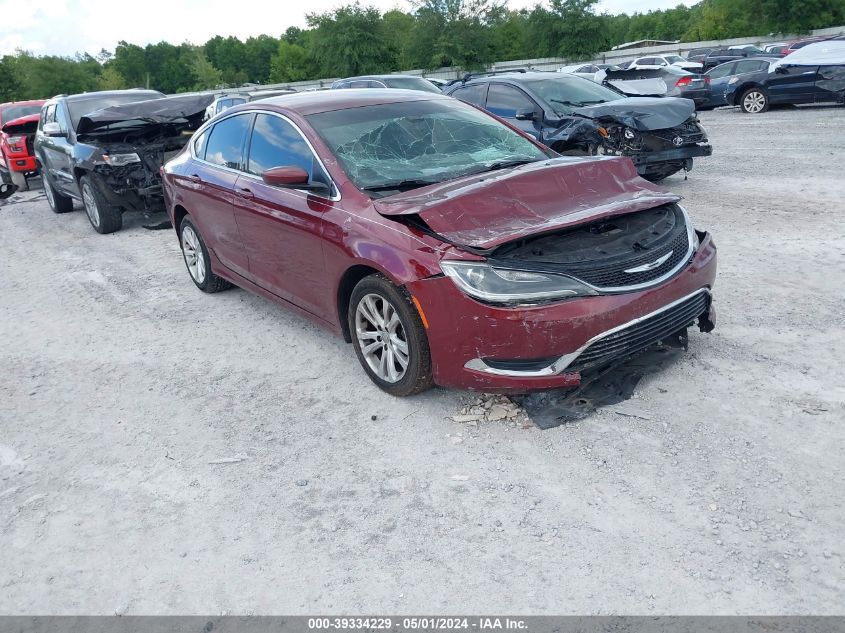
[(107, 148), (449, 248), (575, 116)]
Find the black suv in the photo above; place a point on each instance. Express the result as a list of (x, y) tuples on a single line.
[(105, 149), (576, 116)]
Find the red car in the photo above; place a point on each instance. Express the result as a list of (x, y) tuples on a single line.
[(799, 44), (448, 247), (18, 122)]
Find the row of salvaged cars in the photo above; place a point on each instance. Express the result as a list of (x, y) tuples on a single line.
[(503, 236), (804, 71)]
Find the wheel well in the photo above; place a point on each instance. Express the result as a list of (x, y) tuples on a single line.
[(78, 174), (743, 89), (344, 293), (179, 213)]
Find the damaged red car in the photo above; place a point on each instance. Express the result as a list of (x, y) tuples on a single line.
[(448, 247)]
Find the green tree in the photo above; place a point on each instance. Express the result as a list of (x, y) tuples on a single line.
[(290, 63), (349, 41), (207, 76), (110, 79)]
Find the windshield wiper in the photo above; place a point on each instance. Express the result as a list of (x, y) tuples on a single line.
[(505, 164), (397, 185)]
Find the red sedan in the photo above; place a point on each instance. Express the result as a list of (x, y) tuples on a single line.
[(448, 247)]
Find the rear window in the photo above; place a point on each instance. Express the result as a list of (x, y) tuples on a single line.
[(411, 83), (80, 107), (16, 112)]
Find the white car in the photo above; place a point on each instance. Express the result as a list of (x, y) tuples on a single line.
[(659, 61), (587, 71)]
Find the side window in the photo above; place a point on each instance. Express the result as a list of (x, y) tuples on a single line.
[(746, 67), (723, 71), (62, 119), (226, 140), (505, 100), (48, 114), (646, 61), (277, 143), (471, 94), (199, 145)]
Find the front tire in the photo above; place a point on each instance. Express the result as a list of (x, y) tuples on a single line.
[(754, 101), (197, 260), (104, 217), (389, 337), (58, 203)]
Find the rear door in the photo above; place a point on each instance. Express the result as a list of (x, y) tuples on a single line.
[(505, 101), (56, 151), (793, 84), (282, 227), (209, 185), (830, 84)]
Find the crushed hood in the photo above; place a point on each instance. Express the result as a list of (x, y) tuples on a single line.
[(487, 210), (188, 108), (23, 125), (635, 83), (643, 113)]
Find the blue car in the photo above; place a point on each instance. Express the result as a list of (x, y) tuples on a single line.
[(722, 75), (576, 116)]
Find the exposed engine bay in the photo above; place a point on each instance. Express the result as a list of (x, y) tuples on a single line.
[(128, 144), (660, 135)]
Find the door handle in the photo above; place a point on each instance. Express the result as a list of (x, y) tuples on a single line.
[(194, 178), (244, 192)]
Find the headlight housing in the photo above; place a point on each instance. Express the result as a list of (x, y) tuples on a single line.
[(511, 287), (119, 160)]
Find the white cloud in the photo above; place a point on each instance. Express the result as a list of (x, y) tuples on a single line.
[(64, 27)]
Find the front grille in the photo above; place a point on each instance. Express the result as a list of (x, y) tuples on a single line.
[(690, 131), (614, 276), (641, 335)]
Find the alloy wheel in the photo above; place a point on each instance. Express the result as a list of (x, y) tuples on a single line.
[(754, 102), (90, 203), (48, 191), (194, 257), (382, 337)]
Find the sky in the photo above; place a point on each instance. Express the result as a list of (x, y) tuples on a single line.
[(64, 27)]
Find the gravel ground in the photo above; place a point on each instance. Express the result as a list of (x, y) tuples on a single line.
[(166, 451)]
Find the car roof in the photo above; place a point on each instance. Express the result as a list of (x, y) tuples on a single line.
[(520, 77), (306, 103), (382, 77), (91, 96)]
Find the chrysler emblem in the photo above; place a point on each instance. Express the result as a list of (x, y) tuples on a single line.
[(651, 266)]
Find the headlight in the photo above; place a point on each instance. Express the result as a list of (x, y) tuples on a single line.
[(629, 134), (118, 160), (500, 285)]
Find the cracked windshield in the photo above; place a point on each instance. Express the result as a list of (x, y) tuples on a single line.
[(400, 146)]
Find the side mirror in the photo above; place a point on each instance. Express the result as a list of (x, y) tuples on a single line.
[(52, 129), (291, 177), (525, 114), (782, 70)]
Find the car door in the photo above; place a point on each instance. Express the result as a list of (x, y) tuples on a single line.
[(282, 227), (792, 84), (56, 151), (505, 101), (830, 84), (208, 181)]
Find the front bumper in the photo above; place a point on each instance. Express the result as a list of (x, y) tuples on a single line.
[(671, 155), (462, 331)]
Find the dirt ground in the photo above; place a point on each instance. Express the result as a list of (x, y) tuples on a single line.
[(167, 451)]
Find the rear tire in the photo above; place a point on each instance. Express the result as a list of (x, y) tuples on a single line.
[(754, 101), (19, 180), (104, 217), (58, 202), (197, 260), (389, 338)]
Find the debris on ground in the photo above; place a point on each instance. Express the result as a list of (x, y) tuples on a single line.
[(492, 408), (228, 460)]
